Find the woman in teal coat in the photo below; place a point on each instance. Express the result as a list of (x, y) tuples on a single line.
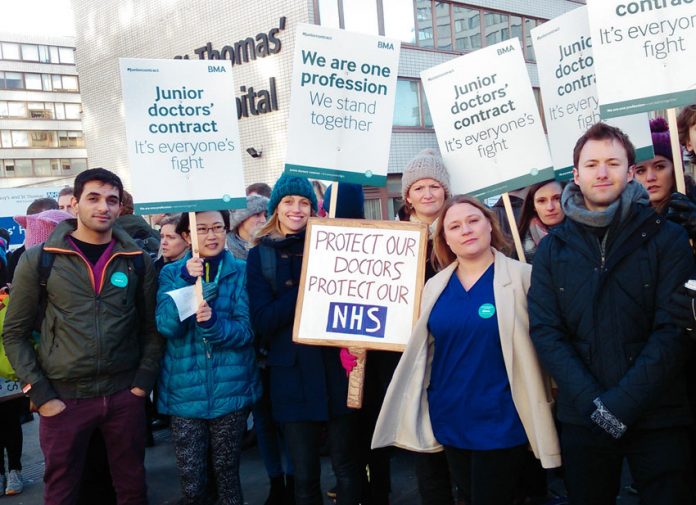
[(209, 375)]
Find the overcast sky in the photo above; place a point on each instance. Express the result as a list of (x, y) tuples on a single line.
[(50, 17)]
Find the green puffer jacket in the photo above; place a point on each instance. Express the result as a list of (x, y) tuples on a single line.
[(92, 344)]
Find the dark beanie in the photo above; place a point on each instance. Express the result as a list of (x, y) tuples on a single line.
[(291, 185), (660, 137), (351, 201)]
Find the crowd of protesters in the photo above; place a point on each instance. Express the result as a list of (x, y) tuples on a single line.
[(568, 364)]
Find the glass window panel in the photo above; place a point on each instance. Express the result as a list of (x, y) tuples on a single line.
[(70, 82), (43, 139), (38, 110), (398, 20), (32, 81), (467, 33), (17, 109), (516, 27), (5, 139), (424, 17), (9, 167), (72, 110), (30, 52), (54, 54), (44, 55), (23, 168), (497, 27), (66, 54), (10, 51), (373, 208), (42, 167), (328, 13), (77, 165), (426, 110), (60, 111), (444, 29), (20, 138), (55, 165), (70, 139), (13, 80), (4, 111), (406, 112), (47, 82), (361, 16), (529, 49), (57, 82)]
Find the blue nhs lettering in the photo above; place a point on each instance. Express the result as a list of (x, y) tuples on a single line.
[(356, 319)]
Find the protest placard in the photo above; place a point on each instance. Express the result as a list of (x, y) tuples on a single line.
[(182, 133), (644, 54), (14, 202), (487, 121), (341, 106), (563, 48), (361, 283)]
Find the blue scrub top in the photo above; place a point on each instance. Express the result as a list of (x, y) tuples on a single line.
[(469, 397)]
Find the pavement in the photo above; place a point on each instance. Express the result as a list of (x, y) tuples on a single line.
[(163, 479)]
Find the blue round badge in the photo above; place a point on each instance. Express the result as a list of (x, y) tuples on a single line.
[(120, 280), (486, 311)]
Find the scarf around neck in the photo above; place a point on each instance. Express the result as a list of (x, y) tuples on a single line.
[(573, 203)]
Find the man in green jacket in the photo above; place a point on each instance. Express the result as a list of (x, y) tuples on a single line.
[(98, 355)]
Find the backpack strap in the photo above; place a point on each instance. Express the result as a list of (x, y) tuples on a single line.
[(46, 260), (268, 265), (139, 267)]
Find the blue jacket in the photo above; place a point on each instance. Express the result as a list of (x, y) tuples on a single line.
[(308, 382), (599, 320), (208, 371)]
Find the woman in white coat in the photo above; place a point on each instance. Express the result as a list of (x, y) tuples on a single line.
[(469, 382)]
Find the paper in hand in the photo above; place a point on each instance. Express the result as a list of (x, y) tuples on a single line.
[(185, 300)]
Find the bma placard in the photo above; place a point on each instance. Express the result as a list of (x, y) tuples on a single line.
[(487, 121), (563, 49), (341, 106), (361, 283), (182, 133), (644, 53)]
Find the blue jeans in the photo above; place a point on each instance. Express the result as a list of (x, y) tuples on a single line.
[(303, 440)]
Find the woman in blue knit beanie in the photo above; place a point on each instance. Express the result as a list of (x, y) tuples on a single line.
[(308, 385)]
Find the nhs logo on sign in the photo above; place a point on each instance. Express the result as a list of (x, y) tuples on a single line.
[(356, 319)]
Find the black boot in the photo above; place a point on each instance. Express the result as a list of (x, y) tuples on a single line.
[(289, 490), (277, 492)]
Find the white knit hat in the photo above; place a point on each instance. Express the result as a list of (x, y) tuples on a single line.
[(427, 164), (255, 204)]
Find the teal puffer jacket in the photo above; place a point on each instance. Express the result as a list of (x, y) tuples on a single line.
[(207, 372)]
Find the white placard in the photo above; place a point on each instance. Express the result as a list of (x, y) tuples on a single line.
[(361, 283), (341, 107), (563, 49), (182, 133), (487, 121), (14, 202), (644, 54)]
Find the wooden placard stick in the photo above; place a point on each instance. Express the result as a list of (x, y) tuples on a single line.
[(513, 227), (356, 379), (676, 150), (195, 252)]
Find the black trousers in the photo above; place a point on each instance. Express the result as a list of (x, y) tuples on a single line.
[(490, 477), (11, 434), (659, 461), (434, 485)]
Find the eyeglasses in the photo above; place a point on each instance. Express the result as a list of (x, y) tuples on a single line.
[(217, 229)]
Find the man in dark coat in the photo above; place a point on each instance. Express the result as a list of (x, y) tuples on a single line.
[(601, 285)]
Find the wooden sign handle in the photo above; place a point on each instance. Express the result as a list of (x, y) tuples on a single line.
[(195, 252), (513, 227), (356, 379), (676, 150)]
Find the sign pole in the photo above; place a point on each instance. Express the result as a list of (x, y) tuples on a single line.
[(198, 287), (513, 227), (676, 150), (356, 379)]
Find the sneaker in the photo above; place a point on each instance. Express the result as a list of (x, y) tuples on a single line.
[(15, 483)]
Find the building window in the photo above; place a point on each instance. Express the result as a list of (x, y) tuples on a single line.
[(32, 81), (439, 25), (39, 110), (41, 139), (67, 55), (10, 51), (50, 167), (30, 52), (37, 82), (70, 139), (411, 108)]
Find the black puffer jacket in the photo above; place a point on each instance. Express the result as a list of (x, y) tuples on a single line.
[(599, 322)]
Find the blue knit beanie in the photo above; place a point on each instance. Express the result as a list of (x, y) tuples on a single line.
[(351, 201), (291, 185)]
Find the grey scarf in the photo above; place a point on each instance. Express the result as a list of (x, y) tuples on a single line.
[(573, 203)]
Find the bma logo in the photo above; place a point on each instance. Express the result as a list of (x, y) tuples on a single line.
[(385, 45), (356, 319), (216, 68), (507, 49)]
